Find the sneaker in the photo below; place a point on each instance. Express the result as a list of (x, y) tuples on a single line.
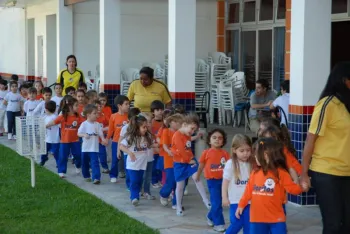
[(96, 182), (219, 228), (208, 205), (61, 175), (173, 207), (160, 184), (9, 136), (14, 137), (180, 213), (113, 180), (77, 170), (164, 201), (121, 174), (209, 222), (156, 186), (105, 171), (135, 202), (186, 192), (88, 180), (149, 196)]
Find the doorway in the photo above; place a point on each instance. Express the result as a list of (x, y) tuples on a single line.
[(340, 42)]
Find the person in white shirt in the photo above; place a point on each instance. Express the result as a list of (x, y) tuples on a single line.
[(58, 98), (40, 109), (236, 174), (283, 102), (3, 92), (14, 106), (90, 131), (31, 103), (52, 137), (137, 142)]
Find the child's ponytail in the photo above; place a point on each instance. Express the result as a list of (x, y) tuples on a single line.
[(67, 102)]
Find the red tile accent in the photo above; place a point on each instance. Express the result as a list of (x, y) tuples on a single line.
[(301, 110), (111, 86), (183, 95)]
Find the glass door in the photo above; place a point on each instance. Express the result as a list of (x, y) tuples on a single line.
[(248, 55)]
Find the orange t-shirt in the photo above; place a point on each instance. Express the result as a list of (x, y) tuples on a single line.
[(291, 161), (39, 97), (81, 112), (156, 125), (214, 161), (107, 110), (69, 128), (159, 135), (167, 136), (181, 148), (264, 192), (102, 119), (116, 122)]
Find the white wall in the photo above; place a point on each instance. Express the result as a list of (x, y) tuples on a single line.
[(144, 32), (12, 42), (51, 49), (31, 47)]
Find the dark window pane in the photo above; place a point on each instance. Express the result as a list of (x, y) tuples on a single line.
[(248, 57), (233, 13), (249, 12), (339, 6), (281, 11), (265, 55), (232, 47), (266, 10)]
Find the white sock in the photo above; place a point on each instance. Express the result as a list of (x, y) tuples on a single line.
[(179, 193), (200, 189)]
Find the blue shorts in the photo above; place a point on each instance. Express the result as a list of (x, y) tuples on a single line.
[(182, 171), (160, 163)]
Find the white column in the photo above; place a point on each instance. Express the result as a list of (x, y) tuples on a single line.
[(182, 45), (110, 41), (64, 33), (310, 50)]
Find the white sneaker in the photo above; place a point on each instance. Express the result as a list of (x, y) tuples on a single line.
[(61, 175), (113, 180), (160, 184), (149, 196), (186, 192), (219, 228), (135, 202), (179, 213), (164, 201), (173, 207), (208, 205), (9, 136), (156, 186), (96, 182), (14, 137), (210, 222), (77, 170)]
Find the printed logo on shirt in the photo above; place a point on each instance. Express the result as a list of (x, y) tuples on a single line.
[(71, 79), (267, 189), (82, 114), (241, 182), (74, 125), (188, 145), (143, 147), (30, 110), (14, 100), (218, 167), (92, 134), (121, 125)]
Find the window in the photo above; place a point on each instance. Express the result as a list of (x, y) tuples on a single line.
[(233, 17), (232, 49), (249, 11), (266, 10), (249, 57), (281, 9), (339, 6), (265, 55)]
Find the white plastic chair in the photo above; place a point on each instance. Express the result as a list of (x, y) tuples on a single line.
[(126, 77)]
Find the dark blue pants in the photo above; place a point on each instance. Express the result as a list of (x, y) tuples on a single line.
[(136, 178), (114, 167), (267, 228), (237, 224), (147, 178), (103, 156), (215, 213), (11, 121), (156, 173), (90, 159), (127, 176), (65, 149), (54, 149), (170, 185)]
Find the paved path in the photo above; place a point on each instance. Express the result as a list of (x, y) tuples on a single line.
[(300, 220)]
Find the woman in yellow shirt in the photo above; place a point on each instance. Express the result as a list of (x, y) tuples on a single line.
[(71, 76), (147, 89), (327, 152)]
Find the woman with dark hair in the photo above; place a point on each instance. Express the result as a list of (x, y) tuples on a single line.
[(147, 89), (326, 152), (71, 76)]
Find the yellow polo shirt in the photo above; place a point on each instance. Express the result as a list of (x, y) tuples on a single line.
[(144, 96), (67, 79), (331, 122)]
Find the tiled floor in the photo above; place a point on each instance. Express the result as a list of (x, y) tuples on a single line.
[(300, 220)]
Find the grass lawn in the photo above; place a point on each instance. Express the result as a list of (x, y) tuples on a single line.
[(54, 205)]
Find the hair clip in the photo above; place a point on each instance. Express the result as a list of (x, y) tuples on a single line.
[(261, 143)]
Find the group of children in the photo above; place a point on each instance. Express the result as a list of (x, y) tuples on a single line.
[(156, 148)]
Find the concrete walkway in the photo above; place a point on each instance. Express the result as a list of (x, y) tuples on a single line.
[(300, 220)]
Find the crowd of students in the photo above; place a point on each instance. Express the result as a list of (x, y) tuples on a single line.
[(156, 148)]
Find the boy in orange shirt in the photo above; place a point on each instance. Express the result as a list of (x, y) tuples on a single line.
[(213, 162), (116, 122), (104, 122)]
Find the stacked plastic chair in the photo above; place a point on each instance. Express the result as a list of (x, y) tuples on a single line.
[(219, 64), (201, 81), (166, 63), (126, 77)]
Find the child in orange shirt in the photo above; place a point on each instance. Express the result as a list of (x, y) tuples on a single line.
[(213, 162), (264, 188), (80, 94), (106, 108), (91, 96), (104, 122), (185, 164), (174, 122), (157, 109), (39, 87), (69, 121), (116, 122)]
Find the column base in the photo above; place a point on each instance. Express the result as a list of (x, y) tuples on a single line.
[(112, 90), (186, 99), (299, 121)]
